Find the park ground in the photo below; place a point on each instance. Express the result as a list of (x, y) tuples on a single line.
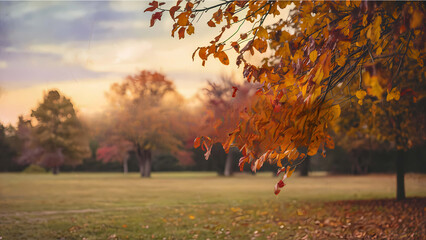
[(204, 206)]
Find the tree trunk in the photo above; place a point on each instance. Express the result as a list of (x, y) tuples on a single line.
[(228, 163), (304, 166), (141, 161), (55, 170), (400, 186), (125, 166), (148, 161)]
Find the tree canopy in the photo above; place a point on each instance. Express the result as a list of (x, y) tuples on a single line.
[(142, 117), (313, 56), (57, 137)]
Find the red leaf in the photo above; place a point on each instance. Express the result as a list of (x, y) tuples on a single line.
[(155, 16), (173, 10), (277, 189), (408, 91), (234, 93), (197, 142), (281, 184), (181, 32), (153, 4), (236, 46)]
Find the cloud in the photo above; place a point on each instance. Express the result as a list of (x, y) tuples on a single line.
[(128, 6), (101, 56), (121, 25), (71, 14), (3, 64)]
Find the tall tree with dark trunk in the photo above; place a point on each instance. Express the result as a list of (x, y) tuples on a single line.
[(304, 167), (57, 137), (388, 126), (144, 110)]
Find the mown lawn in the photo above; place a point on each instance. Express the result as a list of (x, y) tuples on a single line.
[(204, 206)]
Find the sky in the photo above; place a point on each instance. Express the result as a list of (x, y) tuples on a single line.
[(82, 47)]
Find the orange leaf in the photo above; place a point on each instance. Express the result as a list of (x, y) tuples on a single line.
[(262, 33), (242, 161), (211, 23), (182, 19), (190, 29), (193, 54), (236, 46), (203, 53), (197, 142), (223, 57), (175, 27), (260, 45), (212, 49)]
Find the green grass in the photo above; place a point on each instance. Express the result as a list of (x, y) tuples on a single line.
[(174, 205)]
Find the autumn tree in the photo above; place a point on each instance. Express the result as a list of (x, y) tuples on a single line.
[(313, 53), (54, 136), (143, 118), (116, 150), (395, 123), (222, 103)]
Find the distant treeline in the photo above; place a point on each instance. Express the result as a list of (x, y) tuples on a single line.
[(338, 161)]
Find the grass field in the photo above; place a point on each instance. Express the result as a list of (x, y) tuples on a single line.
[(202, 205)]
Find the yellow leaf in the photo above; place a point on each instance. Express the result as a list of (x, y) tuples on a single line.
[(319, 75), (375, 88), (364, 20), (393, 94), (191, 217), (262, 33), (313, 55), (341, 60), (360, 94), (379, 50), (335, 111)]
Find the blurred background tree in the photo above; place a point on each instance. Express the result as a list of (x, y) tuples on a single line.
[(146, 114), (221, 105), (57, 137)]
